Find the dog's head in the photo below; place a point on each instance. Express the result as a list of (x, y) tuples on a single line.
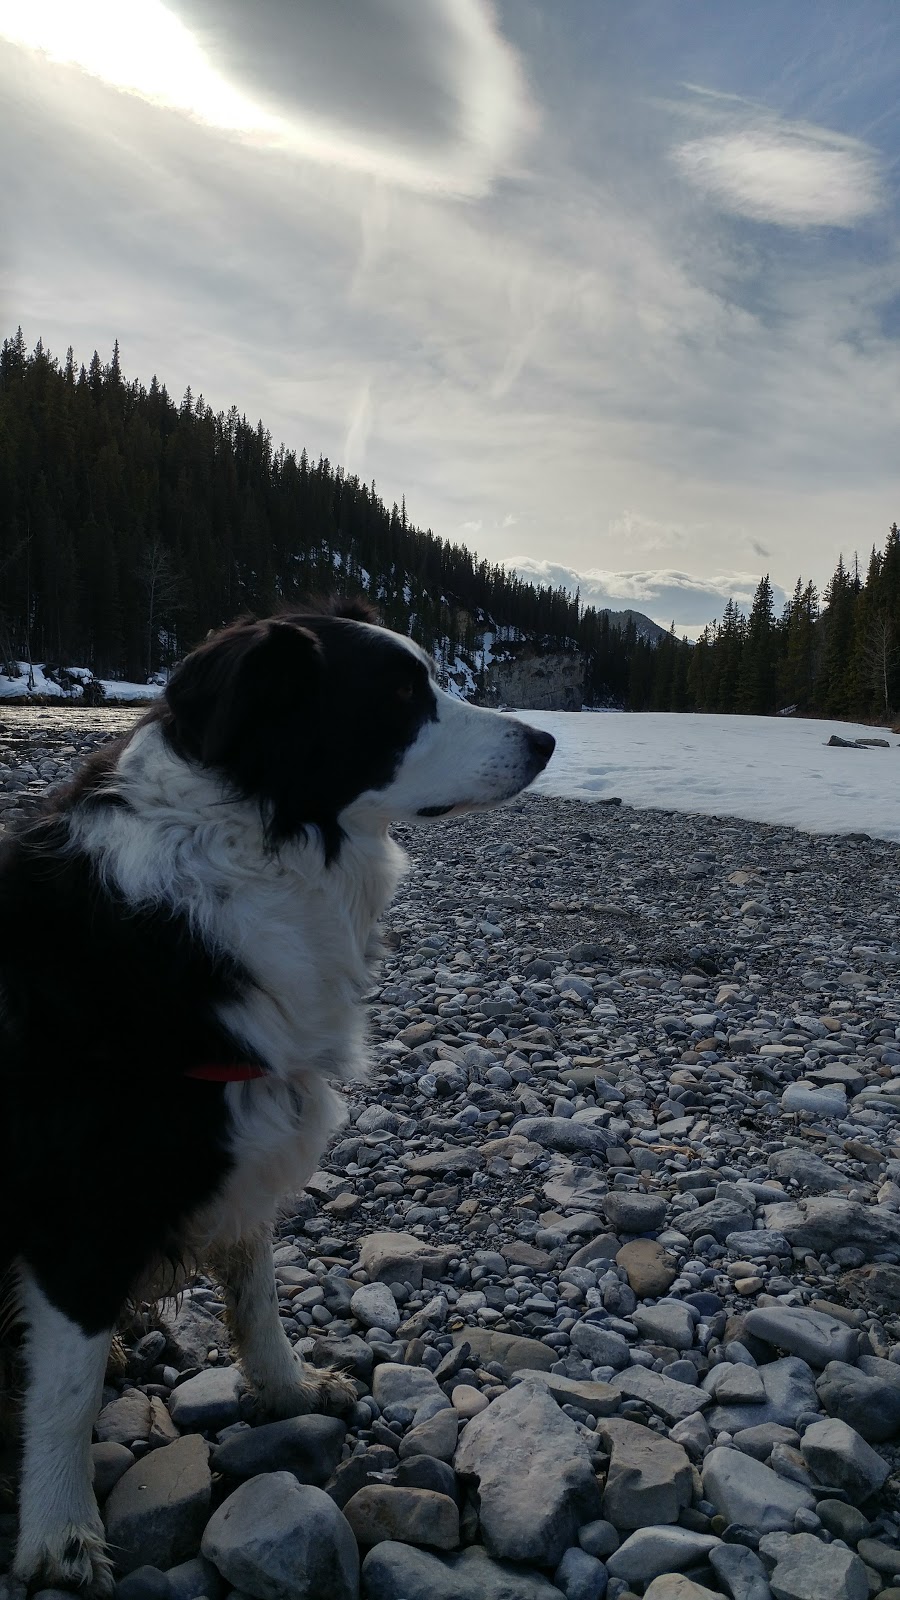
[(331, 721)]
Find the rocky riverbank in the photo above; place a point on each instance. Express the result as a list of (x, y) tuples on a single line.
[(610, 1243)]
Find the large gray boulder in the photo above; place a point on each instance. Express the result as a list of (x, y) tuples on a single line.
[(277, 1539), (533, 1475), (806, 1569), (840, 1457), (156, 1512), (813, 1335)]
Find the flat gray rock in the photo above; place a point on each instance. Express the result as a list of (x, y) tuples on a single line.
[(720, 1217), (156, 1512), (563, 1133), (510, 1350), (401, 1258), (790, 1390), (807, 1169), (840, 1457), (393, 1570), (744, 1490), (277, 1539), (394, 1383), (651, 1551), (533, 1475), (309, 1447), (192, 1330), (806, 1569), (813, 1335), (668, 1322), (732, 1383), (649, 1480), (208, 1402), (598, 1399), (671, 1400)]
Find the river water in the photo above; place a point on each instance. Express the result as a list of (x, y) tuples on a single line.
[(54, 727)]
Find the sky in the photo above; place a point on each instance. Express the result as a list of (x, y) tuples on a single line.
[(610, 292)]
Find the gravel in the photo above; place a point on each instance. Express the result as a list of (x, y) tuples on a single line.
[(610, 1241)]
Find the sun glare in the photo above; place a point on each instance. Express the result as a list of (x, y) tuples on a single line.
[(138, 47)]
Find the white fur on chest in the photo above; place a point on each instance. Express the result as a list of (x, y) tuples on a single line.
[(302, 930)]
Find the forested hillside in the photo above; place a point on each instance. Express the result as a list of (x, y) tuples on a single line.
[(130, 525)]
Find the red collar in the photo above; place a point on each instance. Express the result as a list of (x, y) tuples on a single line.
[(237, 1072)]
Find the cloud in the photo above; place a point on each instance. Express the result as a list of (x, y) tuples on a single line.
[(788, 173), (661, 595), (429, 97)]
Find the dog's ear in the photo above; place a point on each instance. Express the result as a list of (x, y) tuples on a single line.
[(239, 681), (353, 608)]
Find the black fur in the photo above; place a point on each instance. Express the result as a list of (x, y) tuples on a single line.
[(105, 1145)]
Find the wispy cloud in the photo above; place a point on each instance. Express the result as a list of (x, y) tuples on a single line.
[(792, 175)]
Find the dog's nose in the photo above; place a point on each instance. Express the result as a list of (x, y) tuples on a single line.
[(541, 745)]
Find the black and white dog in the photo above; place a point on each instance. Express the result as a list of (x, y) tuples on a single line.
[(184, 939)]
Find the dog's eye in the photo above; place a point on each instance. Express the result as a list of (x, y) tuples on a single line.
[(405, 691)]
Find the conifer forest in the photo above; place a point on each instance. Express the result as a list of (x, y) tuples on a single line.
[(131, 524)]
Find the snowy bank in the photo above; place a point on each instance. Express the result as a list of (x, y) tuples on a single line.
[(765, 769)]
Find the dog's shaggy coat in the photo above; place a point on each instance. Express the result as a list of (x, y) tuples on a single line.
[(206, 893)]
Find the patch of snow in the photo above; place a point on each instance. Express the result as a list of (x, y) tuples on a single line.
[(766, 769)]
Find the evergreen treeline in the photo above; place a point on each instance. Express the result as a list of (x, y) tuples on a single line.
[(841, 661), (129, 526)]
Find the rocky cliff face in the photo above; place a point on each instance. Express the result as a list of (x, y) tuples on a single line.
[(536, 682)]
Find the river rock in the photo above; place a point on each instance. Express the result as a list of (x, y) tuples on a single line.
[(790, 1390), (650, 1551), (807, 1169), (209, 1401), (632, 1212), (533, 1475), (651, 1269), (830, 1222), (156, 1512), (649, 1479), (563, 1133), (867, 1403), (840, 1457), (671, 1400), (746, 1491), (740, 1572), (375, 1307), (277, 1539), (309, 1447), (401, 1258), (381, 1511), (668, 1323), (806, 1569), (812, 1335), (509, 1350), (391, 1571)]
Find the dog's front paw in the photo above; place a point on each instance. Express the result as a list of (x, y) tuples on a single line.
[(73, 1556), (306, 1389)]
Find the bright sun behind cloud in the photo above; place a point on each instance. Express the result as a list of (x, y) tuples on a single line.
[(143, 48), (140, 48)]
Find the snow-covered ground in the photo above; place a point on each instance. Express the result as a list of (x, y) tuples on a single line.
[(767, 769), (114, 689)]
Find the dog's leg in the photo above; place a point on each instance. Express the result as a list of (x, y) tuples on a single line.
[(285, 1386), (61, 1539)]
